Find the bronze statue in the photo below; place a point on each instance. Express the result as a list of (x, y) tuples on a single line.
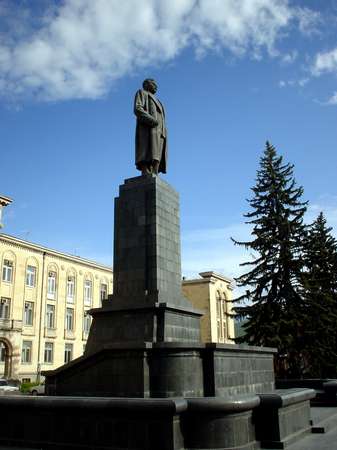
[(151, 140)]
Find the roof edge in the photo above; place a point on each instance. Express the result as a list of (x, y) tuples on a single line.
[(42, 249)]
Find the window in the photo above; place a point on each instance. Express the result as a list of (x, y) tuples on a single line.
[(219, 316), (224, 317), (104, 291), (50, 316), (2, 352), (7, 271), (5, 306), (28, 313), (51, 285), (26, 355), (69, 319), (87, 292), (68, 353), (86, 323), (31, 276), (70, 289), (48, 352)]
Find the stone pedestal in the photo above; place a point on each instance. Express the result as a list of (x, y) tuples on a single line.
[(147, 262), (147, 304), (124, 354)]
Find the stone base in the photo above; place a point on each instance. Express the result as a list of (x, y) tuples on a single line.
[(142, 370), (325, 389), (57, 423), (91, 424), (238, 369), (220, 423), (155, 323), (165, 370), (283, 417)]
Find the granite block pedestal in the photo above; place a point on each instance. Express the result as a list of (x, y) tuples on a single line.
[(147, 304), (145, 339)]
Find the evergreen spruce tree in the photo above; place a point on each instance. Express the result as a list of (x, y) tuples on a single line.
[(320, 294), (272, 301)]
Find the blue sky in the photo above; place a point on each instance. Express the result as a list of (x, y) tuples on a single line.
[(231, 73)]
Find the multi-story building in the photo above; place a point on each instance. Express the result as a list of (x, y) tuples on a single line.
[(212, 293), (44, 299)]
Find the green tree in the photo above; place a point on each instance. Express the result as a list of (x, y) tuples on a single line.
[(319, 282), (272, 301)]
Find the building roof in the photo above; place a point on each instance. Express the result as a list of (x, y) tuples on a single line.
[(210, 276), (4, 201), (41, 249)]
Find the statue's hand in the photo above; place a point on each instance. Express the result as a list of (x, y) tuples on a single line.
[(147, 119)]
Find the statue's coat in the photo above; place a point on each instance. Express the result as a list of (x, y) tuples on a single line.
[(151, 139)]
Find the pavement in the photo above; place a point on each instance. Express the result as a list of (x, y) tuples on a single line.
[(324, 419), (326, 441)]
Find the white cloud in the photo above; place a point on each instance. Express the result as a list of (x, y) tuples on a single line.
[(290, 57), (308, 20), (325, 62), (81, 48), (333, 99), (293, 83), (303, 81), (212, 249)]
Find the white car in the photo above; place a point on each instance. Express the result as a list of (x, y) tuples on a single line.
[(5, 387), (37, 390)]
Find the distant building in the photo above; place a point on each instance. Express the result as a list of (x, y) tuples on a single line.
[(44, 299), (212, 293), (4, 201)]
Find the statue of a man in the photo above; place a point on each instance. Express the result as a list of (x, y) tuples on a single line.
[(151, 142)]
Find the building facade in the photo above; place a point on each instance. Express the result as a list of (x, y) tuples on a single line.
[(44, 299), (212, 293)]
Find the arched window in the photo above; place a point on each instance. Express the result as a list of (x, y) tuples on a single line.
[(88, 290), (2, 352), (8, 267), (6, 352), (219, 316), (103, 289), (224, 317), (52, 282), (31, 272), (71, 286)]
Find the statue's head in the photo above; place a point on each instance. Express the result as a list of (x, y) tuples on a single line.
[(150, 85)]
